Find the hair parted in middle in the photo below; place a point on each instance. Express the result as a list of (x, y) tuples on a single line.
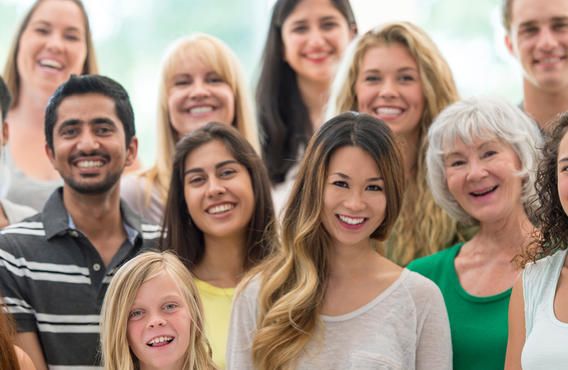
[(484, 118), (293, 280), (120, 297), (218, 56), (182, 235), (423, 228)]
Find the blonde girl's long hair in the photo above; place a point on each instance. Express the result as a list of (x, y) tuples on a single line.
[(293, 280), (118, 301), (216, 54), (423, 227)]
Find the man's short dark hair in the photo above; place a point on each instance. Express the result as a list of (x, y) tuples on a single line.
[(5, 99), (87, 84)]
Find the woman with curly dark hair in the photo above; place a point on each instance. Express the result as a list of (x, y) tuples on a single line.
[(538, 311)]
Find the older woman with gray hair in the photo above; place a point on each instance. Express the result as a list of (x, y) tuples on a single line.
[(482, 158)]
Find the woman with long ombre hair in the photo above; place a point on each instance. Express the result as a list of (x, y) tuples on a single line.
[(201, 81), (53, 41), (11, 356), (396, 73), (326, 299)]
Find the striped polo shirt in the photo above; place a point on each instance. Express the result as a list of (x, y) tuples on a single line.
[(53, 280)]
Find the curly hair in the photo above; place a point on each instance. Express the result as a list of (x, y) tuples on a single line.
[(550, 215)]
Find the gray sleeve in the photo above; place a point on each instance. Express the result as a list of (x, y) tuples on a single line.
[(242, 328), (132, 189), (434, 342)]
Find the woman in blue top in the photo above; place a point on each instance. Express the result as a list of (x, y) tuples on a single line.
[(481, 163)]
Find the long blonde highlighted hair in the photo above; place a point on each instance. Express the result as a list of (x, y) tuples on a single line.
[(294, 279), (423, 227), (216, 54), (11, 75), (118, 301)]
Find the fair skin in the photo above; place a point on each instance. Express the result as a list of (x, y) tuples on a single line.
[(354, 207), (51, 48), (389, 88), (482, 179), (539, 39), (314, 36), (198, 95), (220, 201), (88, 151), (159, 324), (517, 332), (3, 141)]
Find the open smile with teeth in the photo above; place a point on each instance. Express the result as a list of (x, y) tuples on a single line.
[(50, 63), (319, 55), (160, 341), (201, 109), (89, 164), (351, 220), (484, 192), (388, 111), (222, 208)]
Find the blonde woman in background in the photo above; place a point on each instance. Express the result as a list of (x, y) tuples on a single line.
[(201, 81), (151, 317), (396, 73), (53, 41)]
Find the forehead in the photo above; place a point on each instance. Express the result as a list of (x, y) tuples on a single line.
[(208, 155), (86, 107), (312, 9), (394, 55), (523, 11), (65, 12)]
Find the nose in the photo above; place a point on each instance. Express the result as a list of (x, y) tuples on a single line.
[(215, 187), (88, 142), (54, 42), (388, 88), (156, 321), (476, 171), (316, 38), (199, 89), (354, 202), (546, 39)]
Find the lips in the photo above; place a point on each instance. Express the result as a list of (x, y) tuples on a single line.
[(549, 60), (89, 161), (317, 56), (220, 208), (160, 341), (480, 193), (51, 63), (200, 109), (388, 112)]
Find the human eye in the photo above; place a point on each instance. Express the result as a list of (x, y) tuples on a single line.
[(489, 153), (135, 314), (374, 187), (196, 180), (528, 30), (226, 172), (329, 25), (170, 306), (42, 30), (406, 78), (71, 37), (300, 29), (103, 130), (215, 78), (372, 78), (457, 163), (341, 184), (560, 26), (69, 131)]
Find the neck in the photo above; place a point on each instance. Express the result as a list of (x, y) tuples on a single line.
[(95, 215), (409, 144), (222, 263), (314, 95), (352, 261), (30, 110), (507, 237), (543, 105)]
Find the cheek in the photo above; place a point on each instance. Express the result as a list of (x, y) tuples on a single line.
[(363, 95)]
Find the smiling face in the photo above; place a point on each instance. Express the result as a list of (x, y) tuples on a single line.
[(562, 173), (539, 38), (159, 324), (89, 149), (52, 46), (483, 179), (198, 95), (389, 87), (218, 191), (354, 198), (315, 35)]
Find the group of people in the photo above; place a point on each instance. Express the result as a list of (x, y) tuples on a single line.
[(360, 215)]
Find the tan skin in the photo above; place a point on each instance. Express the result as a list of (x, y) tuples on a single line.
[(3, 141)]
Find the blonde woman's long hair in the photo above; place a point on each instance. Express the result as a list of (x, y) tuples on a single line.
[(118, 301), (216, 54), (423, 228), (293, 281)]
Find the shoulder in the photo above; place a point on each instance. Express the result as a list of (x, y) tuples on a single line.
[(422, 291), (436, 263), (21, 233), (16, 212), (24, 360), (538, 274)]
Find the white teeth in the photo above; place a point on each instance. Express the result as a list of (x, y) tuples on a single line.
[(89, 164), (220, 209), (317, 55), (50, 63), (351, 220), (388, 111), (484, 192), (160, 340), (203, 109), (550, 60)]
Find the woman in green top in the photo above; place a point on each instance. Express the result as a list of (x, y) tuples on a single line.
[(481, 161)]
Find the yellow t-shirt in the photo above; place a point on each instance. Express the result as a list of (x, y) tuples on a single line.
[(216, 313)]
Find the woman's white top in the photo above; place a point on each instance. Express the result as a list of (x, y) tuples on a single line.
[(546, 338), (404, 327)]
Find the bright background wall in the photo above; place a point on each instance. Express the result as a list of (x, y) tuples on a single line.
[(132, 35)]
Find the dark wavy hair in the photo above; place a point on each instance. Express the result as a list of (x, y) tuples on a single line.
[(182, 235), (549, 216), (8, 357), (282, 114)]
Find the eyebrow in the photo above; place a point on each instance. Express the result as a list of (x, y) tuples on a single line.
[(322, 19), (75, 122), (46, 23), (217, 166), (346, 177), (565, 159), (402, 69)]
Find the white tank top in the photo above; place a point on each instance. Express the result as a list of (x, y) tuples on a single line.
[(546, 336)]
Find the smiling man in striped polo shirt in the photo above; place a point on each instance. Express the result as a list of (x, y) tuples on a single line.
[(55, 266)]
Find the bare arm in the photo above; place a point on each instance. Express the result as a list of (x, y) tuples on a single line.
[(517, 333), (29, 342)]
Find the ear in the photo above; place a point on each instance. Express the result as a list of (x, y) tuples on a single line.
[(5, 133), (352, 31), (50, 155), (510, 45), (132, 151)]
